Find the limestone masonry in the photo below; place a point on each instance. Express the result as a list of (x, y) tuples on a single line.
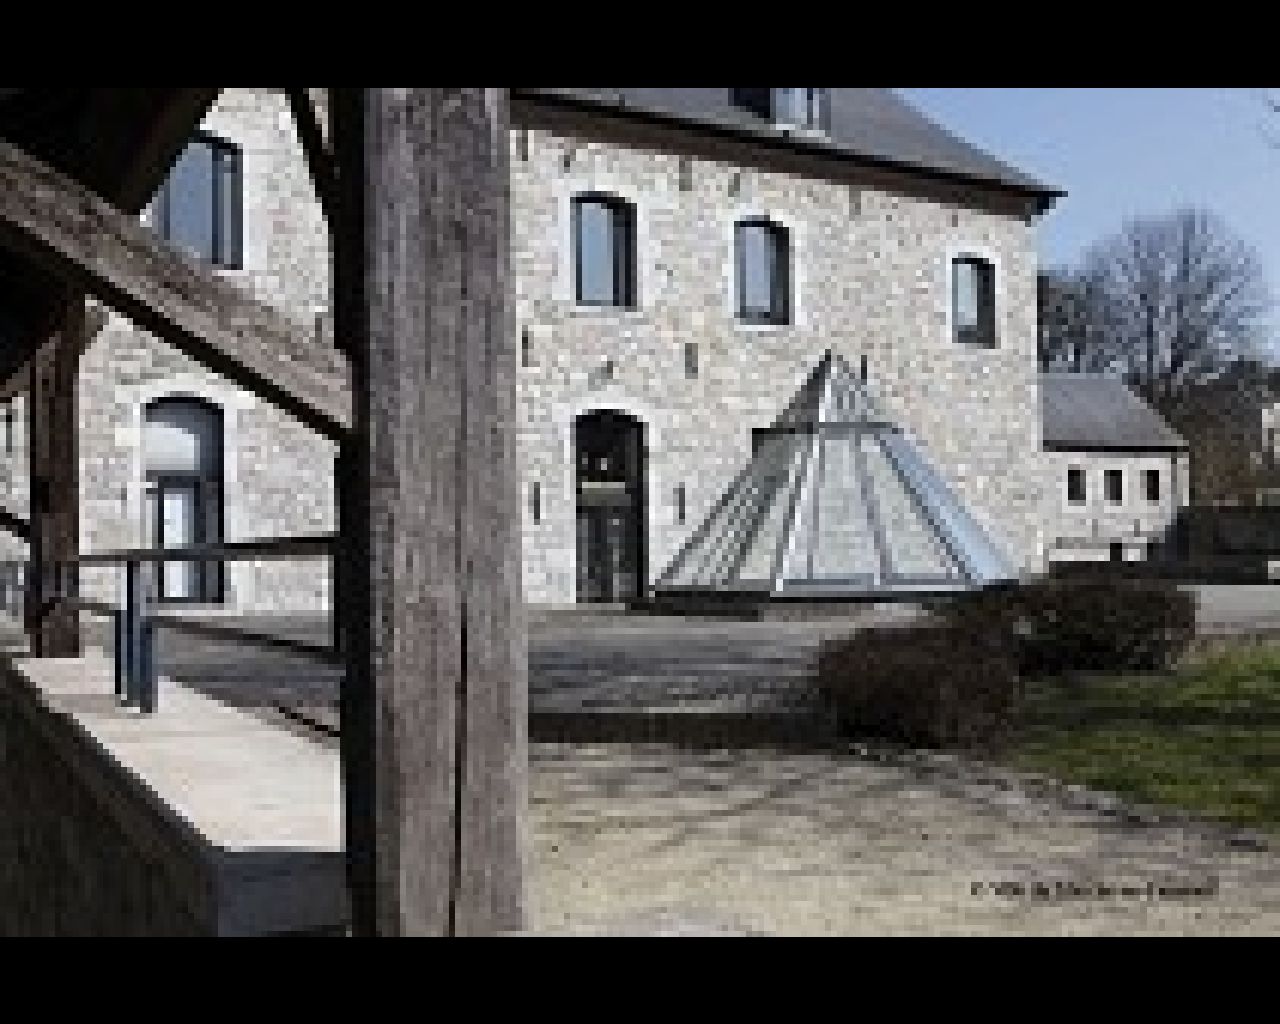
[(870, 277)]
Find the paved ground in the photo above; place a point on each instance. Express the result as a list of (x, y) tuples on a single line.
[(648, 839), (754, 842)]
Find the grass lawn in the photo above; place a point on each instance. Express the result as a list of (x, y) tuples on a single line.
[(1205, 738)]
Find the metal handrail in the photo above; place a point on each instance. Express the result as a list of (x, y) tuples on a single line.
[(134, 621)]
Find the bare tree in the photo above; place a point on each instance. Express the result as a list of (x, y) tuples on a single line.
[(1073, 322), (1173, 300)]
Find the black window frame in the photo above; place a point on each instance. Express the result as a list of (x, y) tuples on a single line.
[(983, 333), (1075, 474), (780, 300), (227, 234), (1108, 477), (1151, 485), (623, 215)]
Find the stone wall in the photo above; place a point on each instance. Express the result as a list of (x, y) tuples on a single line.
[(198, 820), (80, 854), (870, 277)]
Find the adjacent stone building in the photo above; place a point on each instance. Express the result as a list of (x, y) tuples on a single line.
[(681, 259), (1120, 474)]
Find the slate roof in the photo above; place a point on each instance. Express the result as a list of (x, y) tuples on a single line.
[(1096, 411), (875, 125)]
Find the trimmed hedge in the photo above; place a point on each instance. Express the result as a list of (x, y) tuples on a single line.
[(934, 685), (1088, 621)]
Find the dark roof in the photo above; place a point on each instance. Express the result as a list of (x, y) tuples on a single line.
[(1096, 411), (875, 125)]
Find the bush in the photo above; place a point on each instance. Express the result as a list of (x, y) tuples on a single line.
[(924, 685), (1086, 621)]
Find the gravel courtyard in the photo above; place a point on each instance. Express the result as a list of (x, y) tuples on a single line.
[(644, 839)]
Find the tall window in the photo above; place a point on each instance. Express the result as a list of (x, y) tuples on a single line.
[(1113, 486), (1075, 485), (183, 456), (973, 301), (763, 272), (1151, 484), (604, 251), (199, 208)]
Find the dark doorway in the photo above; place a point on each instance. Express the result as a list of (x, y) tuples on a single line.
[(609, 453)]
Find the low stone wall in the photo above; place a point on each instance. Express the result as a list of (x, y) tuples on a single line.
[(114, 824)]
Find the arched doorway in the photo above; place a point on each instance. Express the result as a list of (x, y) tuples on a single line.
[(609, 455), (182, 452)]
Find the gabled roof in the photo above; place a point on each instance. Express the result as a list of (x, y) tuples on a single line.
[(835, 503), (1098, 412), (873, 125)]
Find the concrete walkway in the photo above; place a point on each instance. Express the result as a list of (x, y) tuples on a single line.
[(758, 842)]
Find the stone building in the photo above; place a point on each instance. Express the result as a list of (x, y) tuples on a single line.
[(1120, 474), (681, 260)]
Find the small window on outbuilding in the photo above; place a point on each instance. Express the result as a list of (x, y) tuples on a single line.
[(973, 301), (1076, 485), (1113, 486), (1151, 484)]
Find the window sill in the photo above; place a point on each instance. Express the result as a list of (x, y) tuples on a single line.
[(761, 326), (606, 312)]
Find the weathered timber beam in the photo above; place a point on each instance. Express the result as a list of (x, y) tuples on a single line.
[(74, 235), (52, 621), (320, 159), (434, 705)]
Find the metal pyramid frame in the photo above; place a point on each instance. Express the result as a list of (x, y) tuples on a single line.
[(836, 503)]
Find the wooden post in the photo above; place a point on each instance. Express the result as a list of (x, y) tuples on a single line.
[(434, 727), (53, 625)]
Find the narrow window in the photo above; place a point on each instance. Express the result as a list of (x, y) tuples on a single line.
[(526, 347), (1113, 486), (973, 301), (8, 428), (199, 208), (1151, 484), (1075, 485), (763, 271), (535, 502), (679, 503), (604, 251), (690, 359)]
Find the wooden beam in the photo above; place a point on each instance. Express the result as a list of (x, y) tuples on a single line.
[(53, 624), (72, 234), (320, 159), (434, 725)]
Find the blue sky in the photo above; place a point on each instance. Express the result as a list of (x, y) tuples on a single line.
[(1118, 152)]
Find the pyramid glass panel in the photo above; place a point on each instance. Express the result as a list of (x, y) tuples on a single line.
[(836, 501)]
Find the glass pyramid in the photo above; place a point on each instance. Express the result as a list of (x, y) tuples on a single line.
[(835, 503)]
